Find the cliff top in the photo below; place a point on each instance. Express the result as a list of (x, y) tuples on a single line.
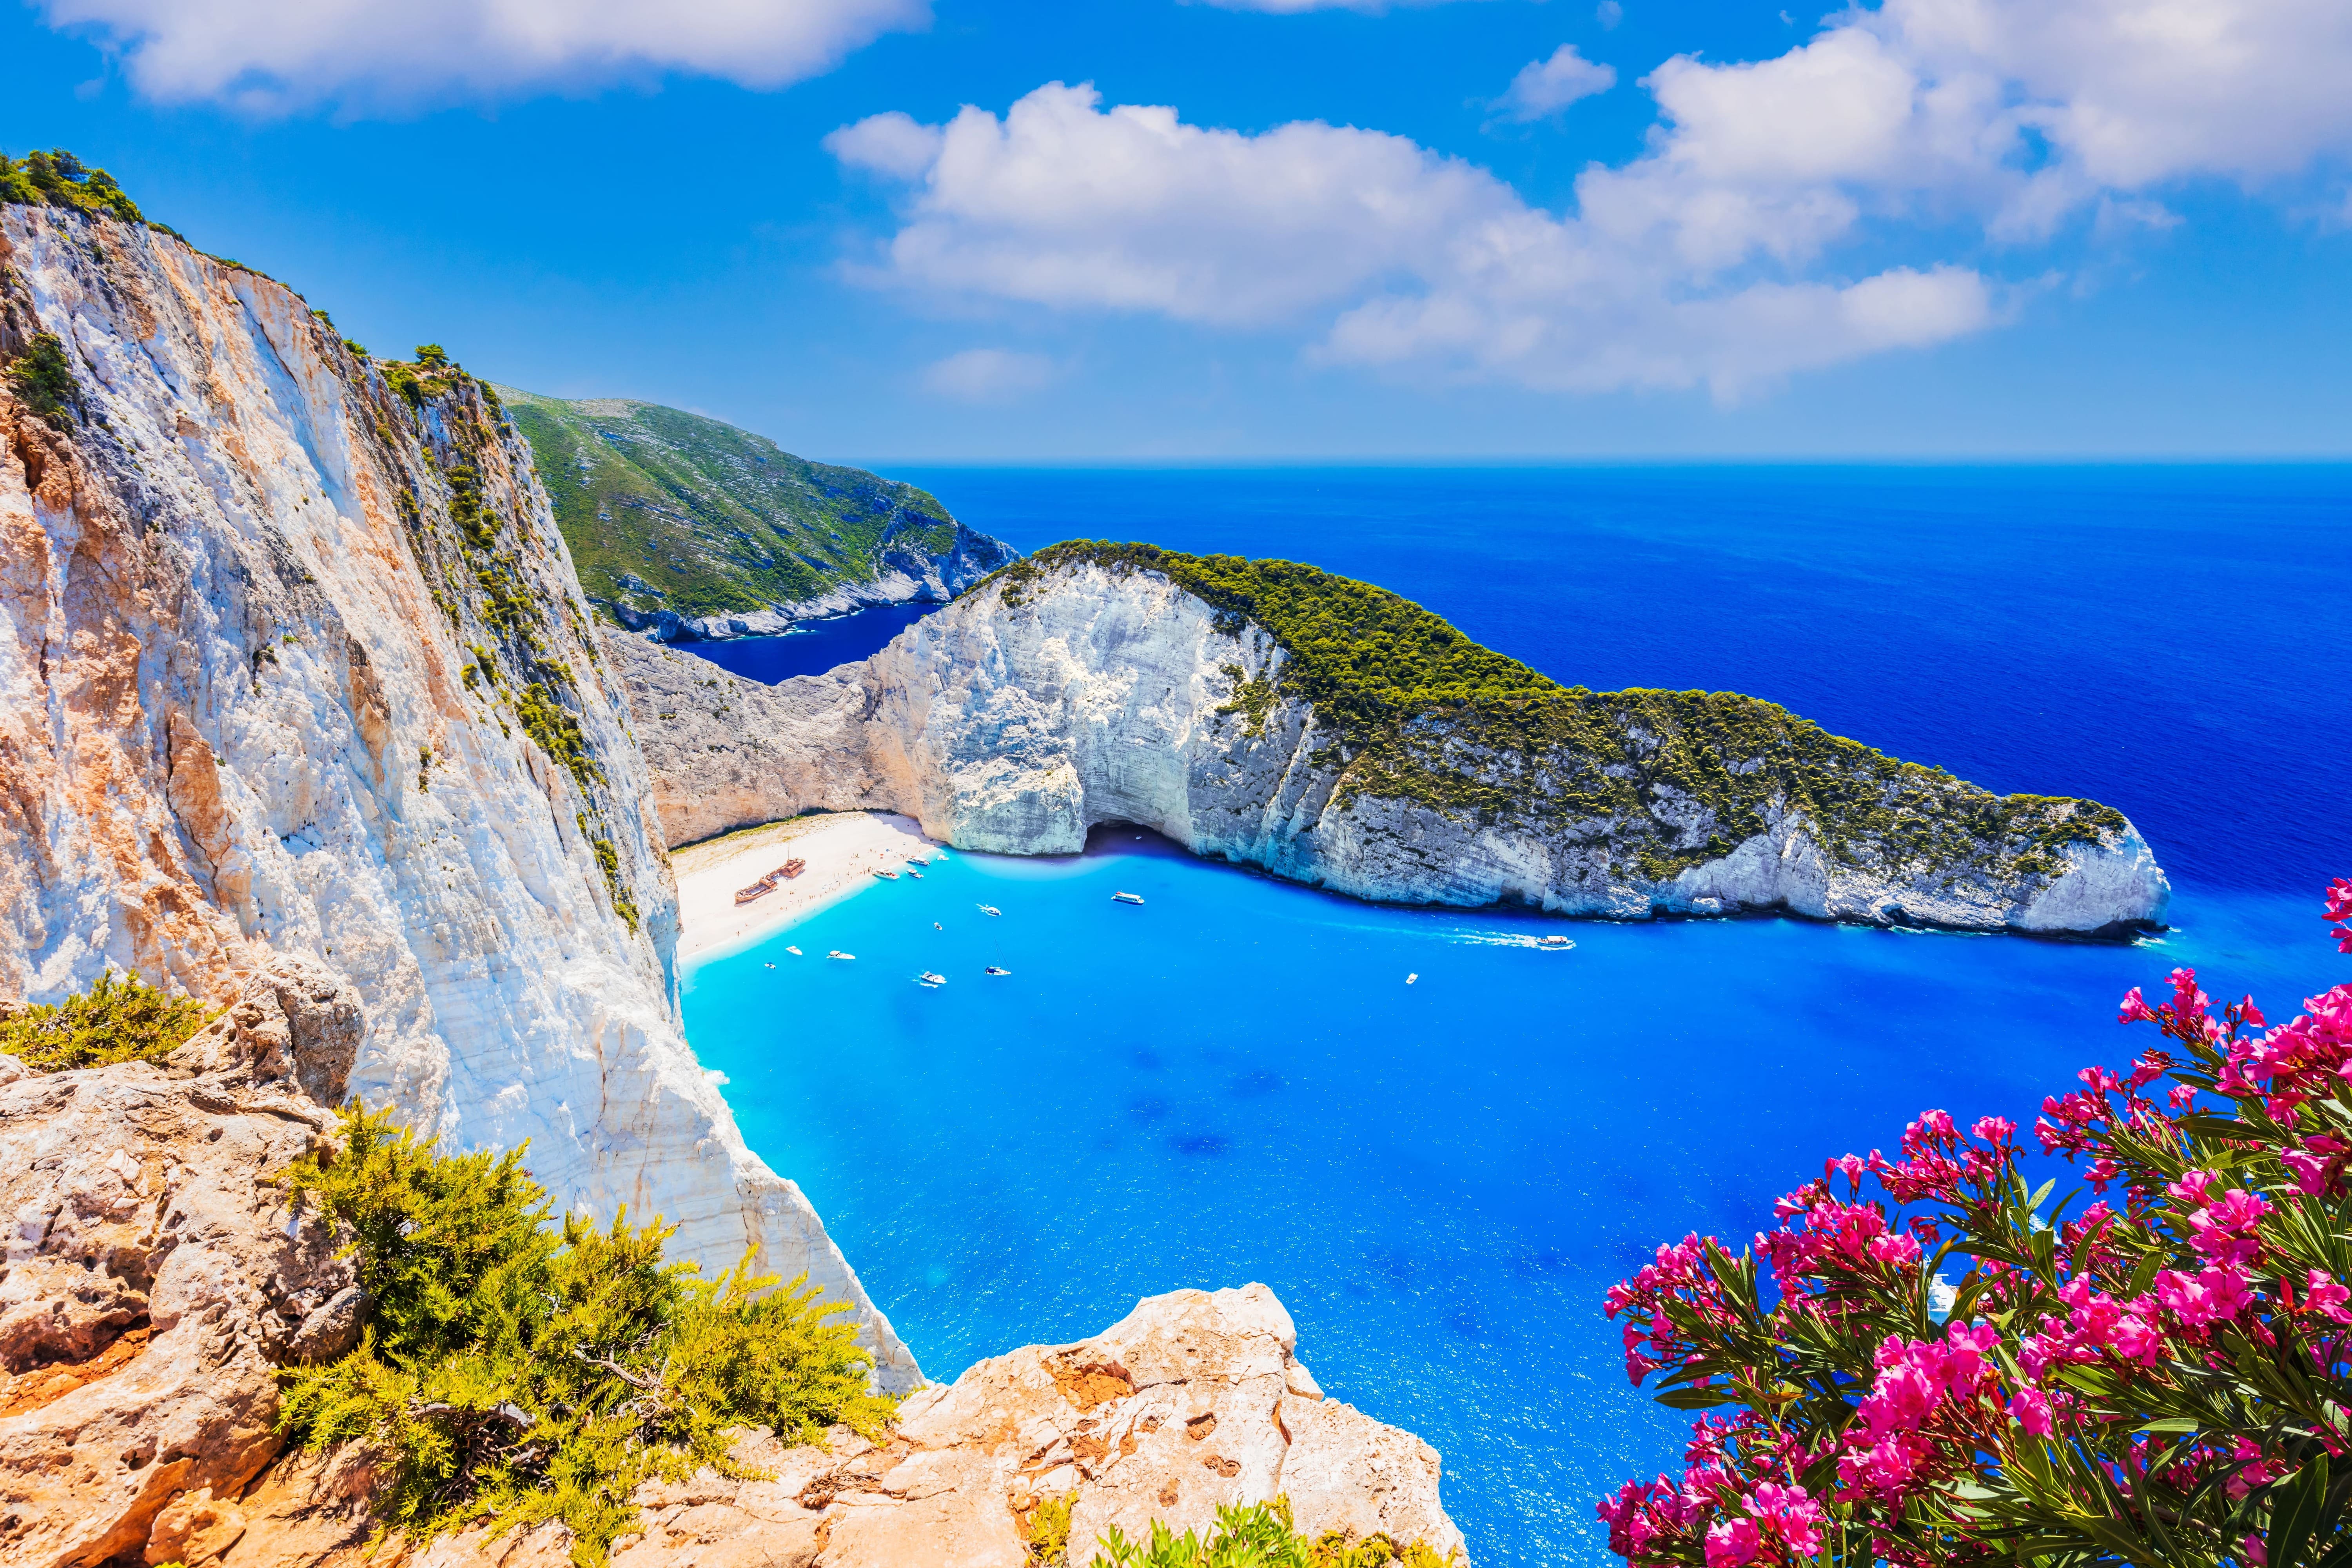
[(673, 511), (1423, 713)]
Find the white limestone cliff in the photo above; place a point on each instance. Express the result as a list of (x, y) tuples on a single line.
[(291, 662), (1116, 696), (904, 573)]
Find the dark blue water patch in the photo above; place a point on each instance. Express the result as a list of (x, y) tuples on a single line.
[(2146, 636), (811, 647)]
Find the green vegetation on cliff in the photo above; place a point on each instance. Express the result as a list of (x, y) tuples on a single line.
[(122, 1018), (1417, 712), (516, 1371), (1261, 1535), (668, 510)]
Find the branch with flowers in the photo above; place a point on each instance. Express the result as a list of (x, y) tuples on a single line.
[(2162, 1377)]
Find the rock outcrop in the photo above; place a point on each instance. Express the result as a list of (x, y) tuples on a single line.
[(1194, 1400), (154, 1279), (292, 658), (1088, 692)]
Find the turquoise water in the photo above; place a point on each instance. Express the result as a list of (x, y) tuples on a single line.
[(1235, 1082)]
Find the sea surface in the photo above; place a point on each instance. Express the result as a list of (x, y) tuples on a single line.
[(1236, 1082)]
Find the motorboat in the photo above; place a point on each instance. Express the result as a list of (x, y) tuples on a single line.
[(990, 909), (933, 981), (916, 860), (1556, 942), (994, 970), (887, 876), (1411, 978), (1127, 898), (845, 957), (915, 874), (795, 952)]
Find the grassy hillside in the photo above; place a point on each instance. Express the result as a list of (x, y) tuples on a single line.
[(666, 510), (1422, 712)]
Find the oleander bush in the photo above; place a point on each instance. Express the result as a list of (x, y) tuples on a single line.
[(122, 1018), (2162, 1377), (517, 1371), (1260, 1536)]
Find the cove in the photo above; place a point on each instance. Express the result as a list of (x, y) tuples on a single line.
[(1234, 1082)]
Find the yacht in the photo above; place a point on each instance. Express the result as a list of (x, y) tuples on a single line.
[(845, 957), (795, 952), (994, 970), (1127, 898), (1557, 942), (933, 981), (990, 909)]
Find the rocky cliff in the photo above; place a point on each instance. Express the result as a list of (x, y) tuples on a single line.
[(292, 658), (690, 529), (1277, 717)]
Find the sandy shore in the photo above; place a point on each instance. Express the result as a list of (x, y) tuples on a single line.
[(843, 849)]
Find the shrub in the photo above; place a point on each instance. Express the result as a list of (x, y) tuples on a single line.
[(119, 1019), (2163, 1378), (517, 1373), (1260, 1536), (44, 379), (57, 178)]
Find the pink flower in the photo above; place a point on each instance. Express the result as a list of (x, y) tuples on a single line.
[(2216, 1296), (1733, 1543), (2030, 1408), (2327, 1297)]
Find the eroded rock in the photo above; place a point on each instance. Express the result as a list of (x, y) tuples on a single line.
[(1193, 1401), (143, 1219)]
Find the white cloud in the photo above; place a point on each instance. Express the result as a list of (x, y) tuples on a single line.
[(986, 376), (1726, 253), (272, 56), (1544, 88)]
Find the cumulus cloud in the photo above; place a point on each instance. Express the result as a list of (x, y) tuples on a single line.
[(1727, 254), (1544, 88), (270, 55), (988, 376)]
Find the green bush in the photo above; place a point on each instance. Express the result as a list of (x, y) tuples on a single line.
[(119, 1019), (44, 379), (1260, 1536), (57, 178), (517, 1373)]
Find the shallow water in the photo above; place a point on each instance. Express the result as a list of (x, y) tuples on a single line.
[(1234, 1081)]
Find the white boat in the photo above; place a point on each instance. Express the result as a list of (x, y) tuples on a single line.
[(845, 957), (1127, 898), (887, 876), (1557, 942), (927, 978), (1411, 978), (916, 874), (990, 909), (994, 970), (794, 951), (916, 860)]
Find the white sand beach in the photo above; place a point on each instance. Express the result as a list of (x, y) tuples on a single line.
[(843, 849)]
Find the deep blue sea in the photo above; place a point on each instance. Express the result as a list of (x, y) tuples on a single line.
[(1234, 1081)]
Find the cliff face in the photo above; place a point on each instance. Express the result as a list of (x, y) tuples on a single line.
[(692, 529), (1040, 705), (292, 658)]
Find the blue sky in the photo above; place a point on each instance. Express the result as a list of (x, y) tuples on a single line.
[(1135, 229)]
